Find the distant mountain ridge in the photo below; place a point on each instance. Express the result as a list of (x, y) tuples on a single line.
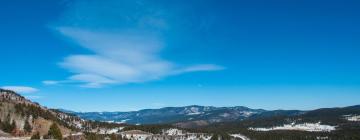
[(193, 113)]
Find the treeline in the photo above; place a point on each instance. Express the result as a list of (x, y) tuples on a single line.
[(94, 136), (9, 126), (155, 129), (53, 133)]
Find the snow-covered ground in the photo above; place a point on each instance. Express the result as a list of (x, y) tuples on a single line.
[(194, 113), (311, 127), (354, 118), (173, 131), (239, 136), (195, 136), (247, 113), (188, 136), (136, 135), (107, 131), (322, 138), (73, 134), (167, 134)]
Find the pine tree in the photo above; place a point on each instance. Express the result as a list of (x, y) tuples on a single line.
[(6, 126), (113, 137), (54, 132), (13, 125), (27, 126), (36, 136), (215, 137)]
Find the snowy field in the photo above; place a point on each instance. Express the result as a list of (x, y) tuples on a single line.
[(311, 127)]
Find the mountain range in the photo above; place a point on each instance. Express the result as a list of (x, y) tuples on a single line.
[(198, 115), (22, 117), (173, 114)]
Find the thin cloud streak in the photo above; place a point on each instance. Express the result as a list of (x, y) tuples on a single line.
[(50, 82), (119, 55)]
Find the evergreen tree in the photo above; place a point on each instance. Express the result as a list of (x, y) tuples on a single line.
[(27, 126), (125, 138), (36, 136), (215, 137), (13, 126), (113, 137), (91, 136), (54, 132), (6, 126)]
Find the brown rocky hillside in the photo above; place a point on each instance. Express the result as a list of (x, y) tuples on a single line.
[(21, 117)]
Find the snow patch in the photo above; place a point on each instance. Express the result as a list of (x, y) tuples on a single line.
[(247, 113), (173, 131), (239, 136), (311, 127), (194, 113), (353, 118)]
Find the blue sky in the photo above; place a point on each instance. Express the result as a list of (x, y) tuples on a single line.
[(121, 55)]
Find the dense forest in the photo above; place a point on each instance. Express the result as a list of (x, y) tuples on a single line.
[(345, 130)]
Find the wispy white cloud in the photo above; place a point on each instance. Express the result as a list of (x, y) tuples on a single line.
[(20, 89), (123, 54), (50, 82), (202, 67), (92, 80)]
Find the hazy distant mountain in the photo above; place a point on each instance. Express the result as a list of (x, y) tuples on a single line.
[(194, 113), (193, 116)]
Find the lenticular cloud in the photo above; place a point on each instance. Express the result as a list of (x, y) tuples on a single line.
[(124, 46)]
